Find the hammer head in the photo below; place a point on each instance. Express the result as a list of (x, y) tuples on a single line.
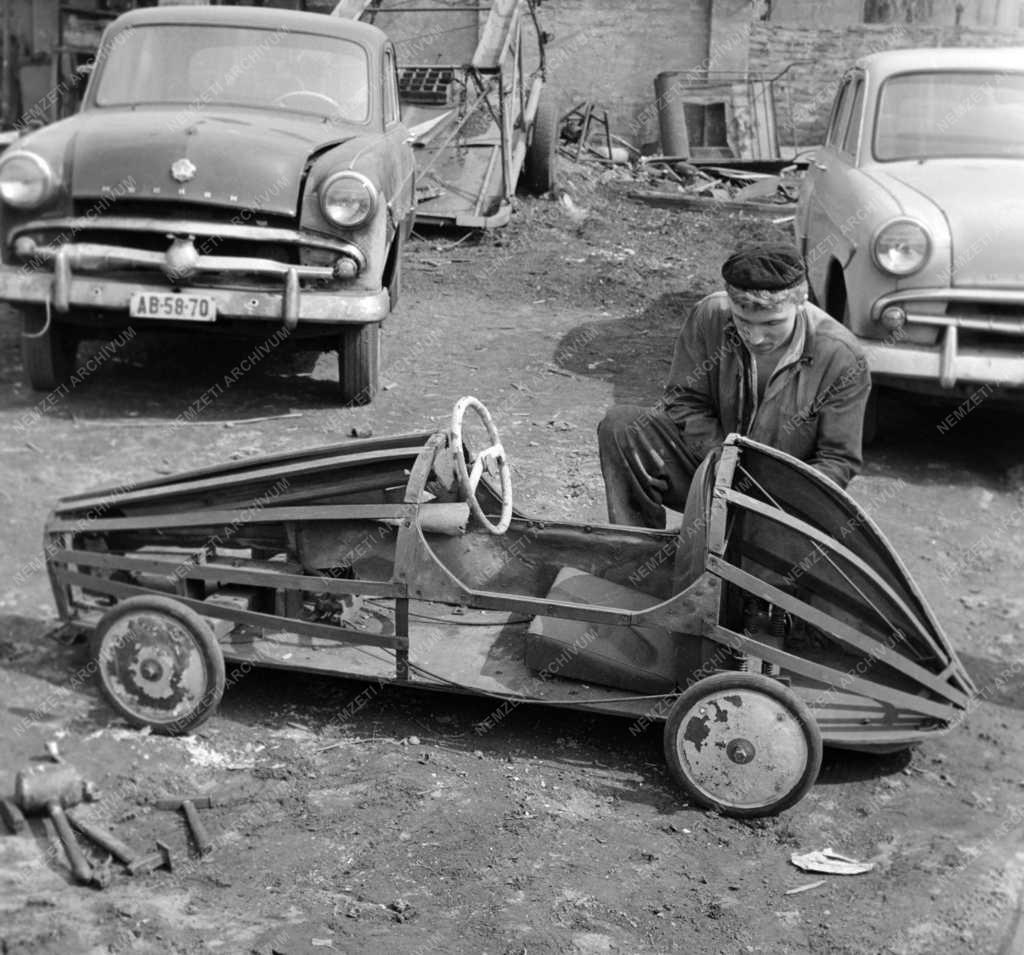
[(36, 787)]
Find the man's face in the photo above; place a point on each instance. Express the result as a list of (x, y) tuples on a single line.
[(764, 330)]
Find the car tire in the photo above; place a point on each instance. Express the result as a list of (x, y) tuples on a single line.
[(359, 363), (541, 153), (48, 350), (742, 744)]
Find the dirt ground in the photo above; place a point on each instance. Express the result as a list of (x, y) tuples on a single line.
[(379, 820)]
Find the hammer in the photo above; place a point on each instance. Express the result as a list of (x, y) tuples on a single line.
[(189, 806), (50, 788)]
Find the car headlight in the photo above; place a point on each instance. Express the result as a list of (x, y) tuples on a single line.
[(901, 247), (348, 198), (26, 180)]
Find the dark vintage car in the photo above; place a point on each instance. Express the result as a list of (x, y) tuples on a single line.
[(232, 170)]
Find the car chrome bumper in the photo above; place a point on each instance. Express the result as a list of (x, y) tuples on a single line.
[(946, 362), (64, 290)]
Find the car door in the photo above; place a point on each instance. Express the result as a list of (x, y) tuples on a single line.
[(403, 186), (828, 207)]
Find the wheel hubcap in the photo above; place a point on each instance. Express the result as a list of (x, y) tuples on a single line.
[(742, 748)]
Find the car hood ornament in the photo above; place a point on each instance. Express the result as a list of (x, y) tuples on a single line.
[(182, 170)]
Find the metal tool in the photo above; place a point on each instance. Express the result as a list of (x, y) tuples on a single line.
[(12, 816), (190, 806), (49, 788), (143, 865), (102, 838)]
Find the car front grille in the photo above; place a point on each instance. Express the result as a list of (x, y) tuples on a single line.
[(87, 210), (1005, 321)]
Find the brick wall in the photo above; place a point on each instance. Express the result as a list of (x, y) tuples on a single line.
[(807, 88), (608, 52)]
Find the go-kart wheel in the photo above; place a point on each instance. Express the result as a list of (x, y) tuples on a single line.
[(158, 664), (742, 744), (469, 475)]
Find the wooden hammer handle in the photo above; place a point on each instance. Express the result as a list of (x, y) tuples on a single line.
[(203, 841), (80, 867), (104, 839)]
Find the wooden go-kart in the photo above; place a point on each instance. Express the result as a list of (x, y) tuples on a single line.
[(777, 619)]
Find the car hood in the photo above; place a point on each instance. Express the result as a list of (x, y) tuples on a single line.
[(983, 209), (242, 159)]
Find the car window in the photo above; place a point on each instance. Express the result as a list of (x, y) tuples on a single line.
[(208, 65), (953, 114), (840, 115), (852, 134), (392, 110)]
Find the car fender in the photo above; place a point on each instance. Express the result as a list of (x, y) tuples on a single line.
[(365, 155), (864, 281)]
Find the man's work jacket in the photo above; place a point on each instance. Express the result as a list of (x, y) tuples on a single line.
[(813, 404)]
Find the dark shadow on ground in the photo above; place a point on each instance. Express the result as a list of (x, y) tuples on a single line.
[(163, 375)]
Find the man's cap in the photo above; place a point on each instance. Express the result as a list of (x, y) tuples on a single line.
[(768, 267)]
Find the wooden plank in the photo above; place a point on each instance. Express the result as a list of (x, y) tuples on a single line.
[(267, 620), (836, 628), (496, 35), (240, 516), (225, 573), (833, 678), (666, 200)]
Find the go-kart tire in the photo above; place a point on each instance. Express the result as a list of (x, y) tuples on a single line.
[(359, 363), (47, 358), (158, 664), (742, 744), (541, 153)]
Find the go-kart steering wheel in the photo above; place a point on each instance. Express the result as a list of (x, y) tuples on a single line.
[(469, 477), (279, 100)]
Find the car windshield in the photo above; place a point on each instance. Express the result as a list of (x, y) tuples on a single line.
[(205, 66), (940, 115)]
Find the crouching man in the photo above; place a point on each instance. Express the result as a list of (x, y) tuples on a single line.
[(757, 359)]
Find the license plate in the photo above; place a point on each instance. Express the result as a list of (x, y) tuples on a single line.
[(176, 305)]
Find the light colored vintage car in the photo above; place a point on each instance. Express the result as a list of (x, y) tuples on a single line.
[(232, 170), (911, 218)]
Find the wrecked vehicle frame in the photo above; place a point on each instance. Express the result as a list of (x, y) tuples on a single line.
[(777, 620)]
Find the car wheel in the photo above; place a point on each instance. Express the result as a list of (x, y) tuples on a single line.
[(48, 350), (359, 363), (742, 744), (158, 664), (541, 154)]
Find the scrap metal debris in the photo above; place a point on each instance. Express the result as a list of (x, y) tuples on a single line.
[(673, 181)]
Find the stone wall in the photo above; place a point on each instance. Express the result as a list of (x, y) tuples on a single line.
[(821, 55), (608, 52)]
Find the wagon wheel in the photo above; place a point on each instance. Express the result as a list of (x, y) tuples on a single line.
[(742, 744), (158, 664), (469, 476)]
